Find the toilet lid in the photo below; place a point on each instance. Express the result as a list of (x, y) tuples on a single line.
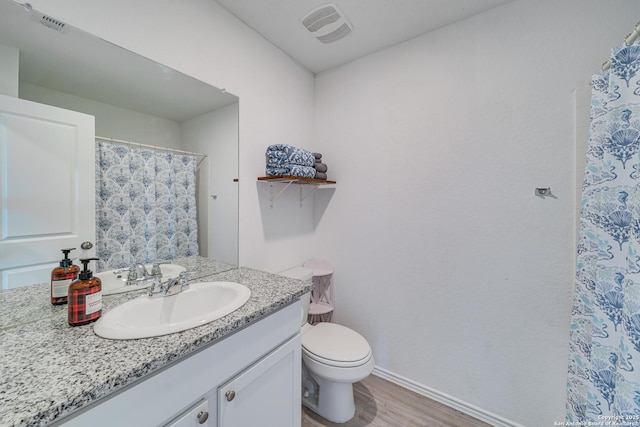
[(329, 343)]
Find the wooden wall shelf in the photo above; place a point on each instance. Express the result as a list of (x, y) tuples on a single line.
[(287, 179), (295, 180)]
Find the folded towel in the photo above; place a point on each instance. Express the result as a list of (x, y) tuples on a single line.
[(292, 170), (317, 155), (318, 160), (282, 155), (320, 175), (320, 167)]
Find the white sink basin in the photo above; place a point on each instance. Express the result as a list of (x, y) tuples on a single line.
[(116, 283), (146, 317)]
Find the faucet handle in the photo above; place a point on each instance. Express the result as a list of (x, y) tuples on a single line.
[(182, 280), (155, 269), (156, 283)]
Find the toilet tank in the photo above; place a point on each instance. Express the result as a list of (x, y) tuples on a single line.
[(306, 275)]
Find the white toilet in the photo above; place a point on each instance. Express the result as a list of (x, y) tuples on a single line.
[(333, 358)]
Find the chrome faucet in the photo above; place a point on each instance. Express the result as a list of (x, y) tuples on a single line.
[(138, 274), (170, 287)]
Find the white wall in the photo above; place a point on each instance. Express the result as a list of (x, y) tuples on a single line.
[(111, 121), (216, 135), (9, 67), (459, 277), (201, 39)]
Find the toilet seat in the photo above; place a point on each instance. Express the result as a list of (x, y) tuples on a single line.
[(335, 345)]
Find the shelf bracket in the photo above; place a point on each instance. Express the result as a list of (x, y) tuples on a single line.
[(273, 197), (303, 196), (288, 180)]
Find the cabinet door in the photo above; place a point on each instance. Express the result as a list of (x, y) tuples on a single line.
[(267, 393), (195, 417)]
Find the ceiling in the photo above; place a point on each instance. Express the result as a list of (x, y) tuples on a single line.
[(74, 62), (377, 24)]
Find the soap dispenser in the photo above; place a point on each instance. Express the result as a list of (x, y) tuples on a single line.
[(85, 296), (61, 278)]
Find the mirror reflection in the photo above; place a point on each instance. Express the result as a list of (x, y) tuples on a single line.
[(143, 108)]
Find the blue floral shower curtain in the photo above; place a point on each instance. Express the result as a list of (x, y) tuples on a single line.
[(604, 359), (145, 205)]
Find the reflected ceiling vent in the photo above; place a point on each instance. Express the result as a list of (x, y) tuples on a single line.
[(328, 23), (52, 23), (46, 20)]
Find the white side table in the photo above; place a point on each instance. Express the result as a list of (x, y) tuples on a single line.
[(322, 296)]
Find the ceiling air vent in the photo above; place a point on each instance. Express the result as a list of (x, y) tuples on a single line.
[(52, 23), (46, 20), (328, 23)]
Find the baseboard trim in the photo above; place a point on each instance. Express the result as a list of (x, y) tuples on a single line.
[(450, 401)]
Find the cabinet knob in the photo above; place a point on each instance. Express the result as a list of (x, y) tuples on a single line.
[(86, 245), (202, 417), (230, 395)]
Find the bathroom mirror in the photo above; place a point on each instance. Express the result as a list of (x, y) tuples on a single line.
[(133, 99)]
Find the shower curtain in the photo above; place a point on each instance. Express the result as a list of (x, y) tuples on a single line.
[(604, 362), (145, 205)]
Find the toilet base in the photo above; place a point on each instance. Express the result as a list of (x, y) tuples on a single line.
[(331, 400)]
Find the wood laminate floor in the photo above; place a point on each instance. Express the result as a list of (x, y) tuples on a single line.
[(380, 403)]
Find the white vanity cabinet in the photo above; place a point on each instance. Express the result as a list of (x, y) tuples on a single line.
[(262, 395), (266, 394), (251, 377)]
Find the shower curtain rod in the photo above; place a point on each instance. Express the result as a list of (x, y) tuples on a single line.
[(632, 37), (153, 147)]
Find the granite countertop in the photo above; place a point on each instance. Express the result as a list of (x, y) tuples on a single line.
[(50, 369)]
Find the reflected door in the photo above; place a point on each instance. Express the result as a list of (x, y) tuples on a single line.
[(47, 188)]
